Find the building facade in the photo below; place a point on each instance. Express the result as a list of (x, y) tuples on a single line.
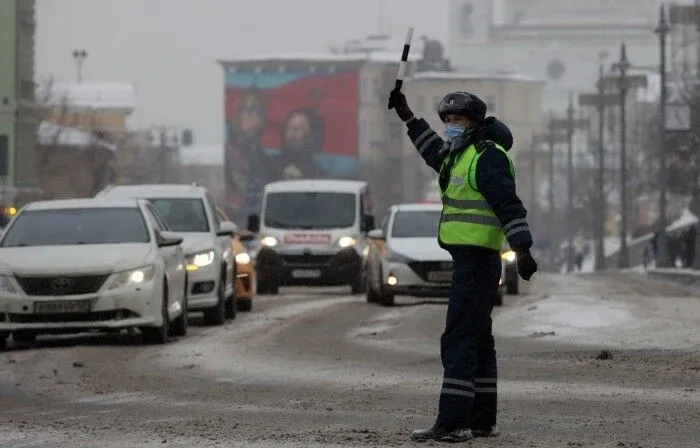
[(17, 121), (561, 41)]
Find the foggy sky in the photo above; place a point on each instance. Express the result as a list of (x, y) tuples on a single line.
[(169, 48)]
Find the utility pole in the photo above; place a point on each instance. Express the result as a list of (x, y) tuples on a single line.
[(600, 101), (552, 138), (533, 175), (662, 255), (569, 126), (80, 56), (623, 66)]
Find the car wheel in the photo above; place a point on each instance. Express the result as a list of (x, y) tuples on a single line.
[(244, 305), (159, 335), (387, 299), (358, 285), (372, 296), (25, 336), (512, 286), (3, 340), (180, 324), (499, 299), (216, 315)]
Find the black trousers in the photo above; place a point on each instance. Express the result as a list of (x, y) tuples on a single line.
[(469, 387)]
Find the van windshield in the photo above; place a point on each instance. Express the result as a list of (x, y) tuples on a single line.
[(310, 210)]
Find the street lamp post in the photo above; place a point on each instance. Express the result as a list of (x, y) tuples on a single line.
[(662, 30), (80, 56), (570, 183), (600, 100), (623, 65), (552, 138)]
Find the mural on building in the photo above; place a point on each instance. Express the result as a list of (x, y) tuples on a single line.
[(288, 125)]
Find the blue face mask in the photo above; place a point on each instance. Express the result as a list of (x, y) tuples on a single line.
[(453, 130)]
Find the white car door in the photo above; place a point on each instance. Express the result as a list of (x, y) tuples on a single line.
[(173, 259)]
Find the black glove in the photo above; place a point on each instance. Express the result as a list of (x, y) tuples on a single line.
[(397, 101), (527, 265)]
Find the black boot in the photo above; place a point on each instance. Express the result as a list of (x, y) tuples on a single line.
[(442, 433), (490, 432)]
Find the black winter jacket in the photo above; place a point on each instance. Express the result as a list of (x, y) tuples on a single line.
[(493, 177)]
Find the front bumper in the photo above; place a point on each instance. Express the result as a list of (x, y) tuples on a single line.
[(203, 286), (288, 269), (111, 309), (414, 282), (416, 279)]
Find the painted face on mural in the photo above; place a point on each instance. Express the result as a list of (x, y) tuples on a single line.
[(297, 134), (250, 122)]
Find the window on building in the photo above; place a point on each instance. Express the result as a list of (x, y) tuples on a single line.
[(466, 27)]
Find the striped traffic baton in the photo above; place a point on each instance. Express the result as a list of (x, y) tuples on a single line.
[(404, 59)]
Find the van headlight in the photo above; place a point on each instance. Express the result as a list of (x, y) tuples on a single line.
[(6, 285), (347, 241), (508, 256), (200, 260), (133, 277), (243, 258), (269, 241)]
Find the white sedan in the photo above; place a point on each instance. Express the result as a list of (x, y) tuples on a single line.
[(107, 264), (405, 257)]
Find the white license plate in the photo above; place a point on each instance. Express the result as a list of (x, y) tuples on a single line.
[(306, 273), (62, 306), (440, 276)]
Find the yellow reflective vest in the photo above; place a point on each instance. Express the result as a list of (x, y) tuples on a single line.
[(467, 219)]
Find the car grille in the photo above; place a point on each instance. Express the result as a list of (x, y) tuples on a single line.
[(62, 286), (98, 316), (306, 259), (423, 268)]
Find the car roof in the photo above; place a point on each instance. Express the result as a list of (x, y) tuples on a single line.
[(83, 203), (416, 207), (350, 186), (154, 191)]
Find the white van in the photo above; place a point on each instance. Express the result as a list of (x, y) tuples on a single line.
[(312, 233)]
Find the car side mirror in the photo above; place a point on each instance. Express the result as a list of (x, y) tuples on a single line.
[(376, 234), (253, 223), (368, 223), (227, 228), (168, 239)]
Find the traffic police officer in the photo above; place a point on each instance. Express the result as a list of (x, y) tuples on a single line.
[(480, 211)]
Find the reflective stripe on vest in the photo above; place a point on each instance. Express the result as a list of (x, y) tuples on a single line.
[(467, 218)]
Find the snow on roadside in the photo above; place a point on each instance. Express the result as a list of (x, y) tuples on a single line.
[(588, 317)]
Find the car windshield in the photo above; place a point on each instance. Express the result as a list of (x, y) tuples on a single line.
[(68, 227), (416, 224), (182, 215), (310, 210)]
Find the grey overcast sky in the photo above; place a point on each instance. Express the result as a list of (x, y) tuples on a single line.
[(169, 48)]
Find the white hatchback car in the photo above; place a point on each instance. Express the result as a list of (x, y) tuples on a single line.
[(190, 212), (405, 257), (73, 265)]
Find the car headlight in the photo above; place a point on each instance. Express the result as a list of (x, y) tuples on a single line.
[(133, 277), (508, 256), (243, 258), (347, 241), (6, 285), (200, 260), (269, 241)]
